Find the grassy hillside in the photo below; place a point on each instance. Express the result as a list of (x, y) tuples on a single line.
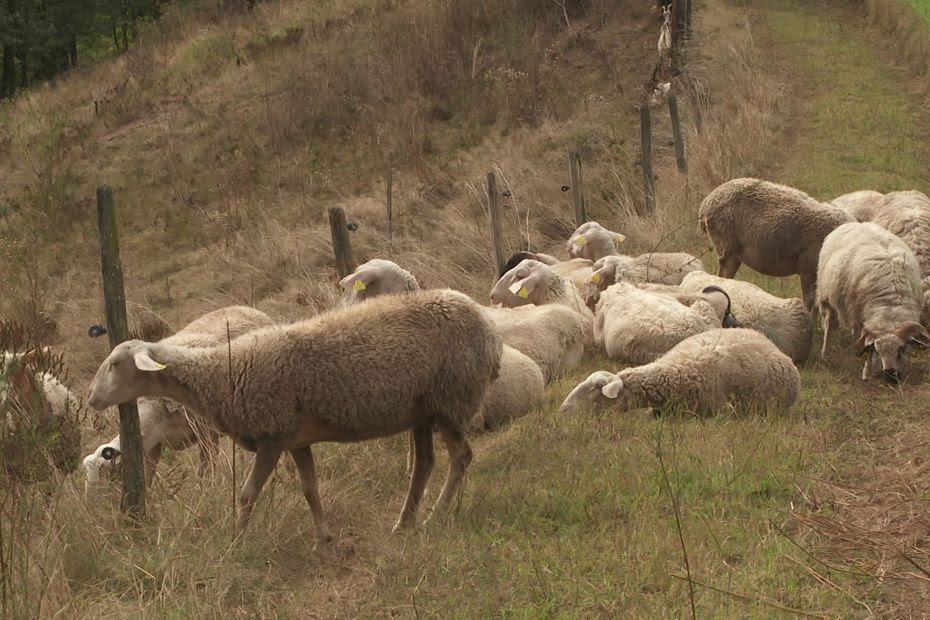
[(226, 138)]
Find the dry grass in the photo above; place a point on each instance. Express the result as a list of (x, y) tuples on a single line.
[(908, 28)]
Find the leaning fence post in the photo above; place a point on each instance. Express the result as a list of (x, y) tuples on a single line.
[(133, 498), (574, 165), (341, 246), (645, 124), (676, 134), (496, 234)]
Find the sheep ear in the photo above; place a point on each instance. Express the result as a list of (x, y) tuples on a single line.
[(612, 389), (520, 288), (146, 363), (914, 333), (864, 342), (619, 237)]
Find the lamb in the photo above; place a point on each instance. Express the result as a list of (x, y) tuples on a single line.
[(619, 327), (907, 215), (667, 268), (376, 277), (786, 322), (392, 364), (774, 229), (162, 424), (859, 205), (37, 401), (592, 241), (870, 281), (711, 370)]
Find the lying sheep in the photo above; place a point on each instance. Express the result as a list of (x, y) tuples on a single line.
[(907, 215), (667, 268), (376, 277), (786, 322), (870, 281), (706, 372), (576, 270), (714, 295), (620, 329), (592, 241), (36, 402), (162, 424), (553, 336), (774, 229), (519, 257), (859, 205), (533, 282), (392, 364)]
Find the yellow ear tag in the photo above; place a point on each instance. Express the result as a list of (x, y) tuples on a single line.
[(621, 238), (580, 240), (359, 286), (159, 366), (523, 292), (595, 277)]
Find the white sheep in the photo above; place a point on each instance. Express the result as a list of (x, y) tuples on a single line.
[(907, 215), (162, 424), (592, 241), (576, 270), (785, 322), (869, 280), (392, 364), (533, 282), (707, 372), (774, 229), (376, 277), (667, 268), (620, 328), (859, 205)]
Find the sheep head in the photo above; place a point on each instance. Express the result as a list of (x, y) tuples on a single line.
[(524, 284), (888, 351), (129, 372), (376, 277), (593, 241), (600, 390)]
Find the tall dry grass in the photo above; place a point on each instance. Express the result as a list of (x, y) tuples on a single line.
[(907, 32)]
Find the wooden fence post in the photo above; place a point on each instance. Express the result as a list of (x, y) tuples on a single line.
[(390, 205), (496, 234), (645, 124), (574, 165), (341, 246), (676, 134), (133, 498)]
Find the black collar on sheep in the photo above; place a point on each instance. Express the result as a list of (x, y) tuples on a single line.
[(728, 319)]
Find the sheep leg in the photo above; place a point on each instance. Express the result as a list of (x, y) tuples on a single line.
[(303, 459), (827, 319), (265, 460), (729, 264), (423, 460), (460, 457), (809, 291), (411, 449)]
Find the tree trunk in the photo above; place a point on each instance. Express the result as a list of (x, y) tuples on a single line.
[(23, 71), (72, 51), (8, 75)]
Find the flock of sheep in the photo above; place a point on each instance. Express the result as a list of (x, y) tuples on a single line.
[(394, 358)]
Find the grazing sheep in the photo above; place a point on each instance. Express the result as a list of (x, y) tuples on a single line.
[(654, 268), (38, 403), (859, 205), (162, 424), (869, 280), (620, 329), (786, 322), (774, 229), (553, 336), (907, 215), (394, 363), (376, 277), (706, 372), (592, 241)]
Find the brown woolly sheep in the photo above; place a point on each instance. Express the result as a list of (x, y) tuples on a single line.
[(774, 229)]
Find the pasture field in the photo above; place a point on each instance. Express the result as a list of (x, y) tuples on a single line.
[(818, 512)]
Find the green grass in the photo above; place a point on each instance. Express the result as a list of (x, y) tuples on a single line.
[(922, 7)]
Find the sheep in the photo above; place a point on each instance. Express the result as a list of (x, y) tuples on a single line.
[(786, 322), (870, 281), (394, 363), (376, 277), (553, 336), (534, 282), (714, 295), (577, 270), (519, 257), (162, 424), (655, 268), (619, 327), (709, 371), (36, 401), (859, 205), (774, 229), (592, 241), (907, 215)]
